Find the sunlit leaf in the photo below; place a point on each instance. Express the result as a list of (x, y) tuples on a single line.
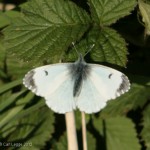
[(46, 30), (145, 12), (109, 46), (106, 12)]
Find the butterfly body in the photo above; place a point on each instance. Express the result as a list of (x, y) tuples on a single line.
[(79, 72), (67, 86)]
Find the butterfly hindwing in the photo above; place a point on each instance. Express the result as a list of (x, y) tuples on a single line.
[(90, 100)]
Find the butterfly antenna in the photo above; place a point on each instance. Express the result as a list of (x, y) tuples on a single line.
[(91, 47), (75, 48)]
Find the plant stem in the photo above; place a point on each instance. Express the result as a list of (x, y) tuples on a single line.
[(84, 139), (71, 131)]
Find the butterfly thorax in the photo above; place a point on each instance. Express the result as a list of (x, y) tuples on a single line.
[(79, 71)]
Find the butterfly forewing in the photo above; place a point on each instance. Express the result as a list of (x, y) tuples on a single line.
[(53, 82), (102, 84), (110, 82), (43, 80)]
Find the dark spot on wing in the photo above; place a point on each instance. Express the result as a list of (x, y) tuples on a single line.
[(124, 86), (29, 81), (110, 75), (46, 72), (79, 72)]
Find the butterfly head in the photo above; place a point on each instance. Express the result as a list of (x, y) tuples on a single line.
[(80, 56)]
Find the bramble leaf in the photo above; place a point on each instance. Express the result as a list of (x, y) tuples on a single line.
[(45, 30), (109, 46), (118, 132), (136, 97), (105, 12), (7, 17)]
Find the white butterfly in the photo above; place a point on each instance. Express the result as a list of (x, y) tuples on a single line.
[(67, 86)]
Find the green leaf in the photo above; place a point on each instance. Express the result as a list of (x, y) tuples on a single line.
[(14, 69), (2, 49), (31, 109), (4, 103), (146, 127), (109, 46), (7, 17), (136, 97), (46, 30), (17, 70), (2, 57), (9, 114), (91, 141), (119, 133), (10, 125), (62, 143), (34, 129), (106, 12), (10, 85), (145, 13), (78, 119)]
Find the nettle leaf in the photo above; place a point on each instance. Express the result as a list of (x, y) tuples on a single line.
[(146, 127), (119, 132), (45, 30), (145, 12), (136, 97), (106, 12)]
